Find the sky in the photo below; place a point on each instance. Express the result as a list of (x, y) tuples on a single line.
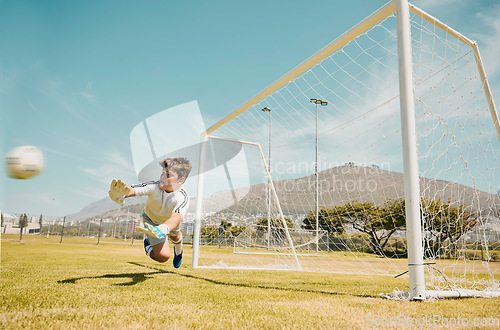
[(78, 76)]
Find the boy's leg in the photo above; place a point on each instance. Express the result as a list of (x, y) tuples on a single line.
[(160, 252), (158, 249), (147, 246), (177, 241)]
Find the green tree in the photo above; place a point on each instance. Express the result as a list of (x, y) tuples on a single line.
[(225, 224), (393, 218), (23, 222), (378, 222), (365, 217), (209, 231), (235, 231), (444, 225), (276, 225), (40, 221), (2, 220), (328, 219)]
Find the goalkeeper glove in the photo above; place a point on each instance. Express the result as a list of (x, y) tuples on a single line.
[(156, 231), (117, 191)]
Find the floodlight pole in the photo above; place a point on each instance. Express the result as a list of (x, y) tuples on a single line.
[(410, 160), (199, 202), (266, 109), (316, 190)]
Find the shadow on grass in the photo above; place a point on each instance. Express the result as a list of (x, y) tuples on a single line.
[(141, 277), (135, 278)]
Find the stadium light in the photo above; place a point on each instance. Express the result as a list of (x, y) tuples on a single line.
[(266, 109), (323, 103)]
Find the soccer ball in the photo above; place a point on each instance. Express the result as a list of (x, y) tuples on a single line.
[(24, 162)]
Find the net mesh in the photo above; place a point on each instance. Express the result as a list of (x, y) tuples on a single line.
[(356, 175)]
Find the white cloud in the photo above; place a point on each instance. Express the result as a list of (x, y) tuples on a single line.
[(488, 40), (113, 165), (433, 4), (87, 96)]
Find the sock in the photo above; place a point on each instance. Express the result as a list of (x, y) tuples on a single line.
[(148, 250), (148, 247), (178, 246)]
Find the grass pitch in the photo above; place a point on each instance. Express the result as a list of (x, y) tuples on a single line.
[(78, 284)]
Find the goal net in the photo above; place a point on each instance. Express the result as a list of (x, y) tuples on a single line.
[(329, 135)]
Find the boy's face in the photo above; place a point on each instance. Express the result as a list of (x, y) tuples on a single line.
[(169, 181)]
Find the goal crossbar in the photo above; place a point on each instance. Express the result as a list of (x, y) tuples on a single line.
[(348, 36)]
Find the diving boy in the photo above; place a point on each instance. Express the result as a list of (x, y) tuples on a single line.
[(165, 208)]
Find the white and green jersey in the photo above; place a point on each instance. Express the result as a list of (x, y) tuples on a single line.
[(160, 204)]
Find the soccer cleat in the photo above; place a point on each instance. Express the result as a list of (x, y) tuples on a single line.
[(151, 231), (177, 259), (147, 246)]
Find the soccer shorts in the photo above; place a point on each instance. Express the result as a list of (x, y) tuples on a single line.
[(154, 240)]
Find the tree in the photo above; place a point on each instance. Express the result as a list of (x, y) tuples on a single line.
[(444, 225), (393, 213), (365, 218), (235, 231), (328, 219), (227, 229), (276, 225), (23, 222), (2, 219), (378, 222), (209, 231), (224, 226), (40, 221)]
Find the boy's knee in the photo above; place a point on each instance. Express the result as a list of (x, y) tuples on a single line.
[(176, 238)]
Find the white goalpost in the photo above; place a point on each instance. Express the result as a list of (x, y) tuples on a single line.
[(278, 230), (410, 158), (394, 174)]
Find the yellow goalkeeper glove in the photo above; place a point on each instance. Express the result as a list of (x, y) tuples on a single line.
[(117, 191)]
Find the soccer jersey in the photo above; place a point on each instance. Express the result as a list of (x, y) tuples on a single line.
[(161, 204)]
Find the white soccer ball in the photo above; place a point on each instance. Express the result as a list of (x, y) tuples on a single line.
[(24, 162)]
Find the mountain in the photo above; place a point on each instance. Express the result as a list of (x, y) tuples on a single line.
[(102, 206), (337, 185), (344, 184)]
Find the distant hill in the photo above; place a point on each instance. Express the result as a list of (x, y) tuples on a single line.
[(102, 206), (343, 184), (337, 186)]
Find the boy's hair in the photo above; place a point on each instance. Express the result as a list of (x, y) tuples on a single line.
[(179, 165)]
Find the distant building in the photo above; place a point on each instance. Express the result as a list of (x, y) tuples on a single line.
[(11, 225)]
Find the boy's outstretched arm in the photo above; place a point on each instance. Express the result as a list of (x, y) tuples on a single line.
[(131, 193), (173, 221)]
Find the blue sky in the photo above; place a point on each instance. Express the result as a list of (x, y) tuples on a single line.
[(77, 76)]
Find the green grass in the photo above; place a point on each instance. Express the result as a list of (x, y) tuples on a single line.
[(78, 284)]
